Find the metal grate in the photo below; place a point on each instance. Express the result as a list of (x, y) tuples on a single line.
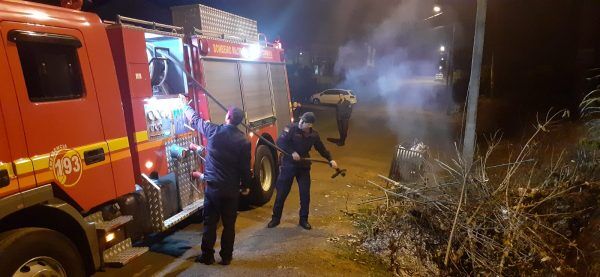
[(407, 165)]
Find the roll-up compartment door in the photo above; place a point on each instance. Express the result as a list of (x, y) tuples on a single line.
[(223, 82), (280, 95), (256, 91)]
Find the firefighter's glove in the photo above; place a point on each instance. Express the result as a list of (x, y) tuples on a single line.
[(198, 175), (187, 110), (296, 156), (183, 99), (333, 164), (196, 148)]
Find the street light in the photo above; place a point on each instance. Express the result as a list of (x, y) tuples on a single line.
[(437, 10), (442, 48)]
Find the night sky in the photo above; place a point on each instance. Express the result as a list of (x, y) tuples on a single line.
[(296, 22), (534, 48)]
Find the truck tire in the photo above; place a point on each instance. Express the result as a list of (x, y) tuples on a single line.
[(265, 175), (316, 101), (31, 251)]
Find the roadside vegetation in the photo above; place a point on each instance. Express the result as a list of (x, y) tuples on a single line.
[(536, 214)]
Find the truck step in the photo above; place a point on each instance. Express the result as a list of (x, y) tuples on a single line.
[(122, 253), (107, 226), (185, 213)]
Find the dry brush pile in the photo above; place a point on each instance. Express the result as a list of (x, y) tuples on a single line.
[(522, 218)]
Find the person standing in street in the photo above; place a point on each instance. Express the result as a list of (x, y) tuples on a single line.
[(343, 111), (297, 140), (227, 164), (296, 111)]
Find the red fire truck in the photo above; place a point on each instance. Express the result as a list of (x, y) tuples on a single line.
[(92, 134)]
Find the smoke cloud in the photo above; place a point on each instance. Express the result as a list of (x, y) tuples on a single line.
[(393, 65)]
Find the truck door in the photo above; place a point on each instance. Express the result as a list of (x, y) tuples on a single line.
[(59, 110), (13, 150), (281, 97)]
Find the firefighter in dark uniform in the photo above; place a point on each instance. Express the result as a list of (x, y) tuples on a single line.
[(297, 140), (343, 111), (227, 163)]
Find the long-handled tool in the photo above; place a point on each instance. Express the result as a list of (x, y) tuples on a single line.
[(266, 141), (338, 171)]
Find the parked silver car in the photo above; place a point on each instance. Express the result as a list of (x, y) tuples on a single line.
[(332, 96)]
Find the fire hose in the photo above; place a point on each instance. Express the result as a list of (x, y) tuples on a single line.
[(338, 171)]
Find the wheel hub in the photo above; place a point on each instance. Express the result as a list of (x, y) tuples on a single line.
[(41, 267), (266, 174)]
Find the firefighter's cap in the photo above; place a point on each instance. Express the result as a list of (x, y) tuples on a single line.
[(308, 117)]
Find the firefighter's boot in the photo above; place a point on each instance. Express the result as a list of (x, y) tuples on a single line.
[(304, 224)]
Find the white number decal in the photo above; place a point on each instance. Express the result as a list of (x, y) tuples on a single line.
[(67, 165), (58, 170), (77, 163)]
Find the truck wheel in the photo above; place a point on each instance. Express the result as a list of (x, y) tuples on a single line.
[(39, 252), (265, 173), (316, 101)]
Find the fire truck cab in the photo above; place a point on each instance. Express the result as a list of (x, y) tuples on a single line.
[(93, 142)]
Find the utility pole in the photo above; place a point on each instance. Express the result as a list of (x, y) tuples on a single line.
[(473, 94)]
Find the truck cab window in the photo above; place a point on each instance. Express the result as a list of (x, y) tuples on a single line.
[(50, 66)]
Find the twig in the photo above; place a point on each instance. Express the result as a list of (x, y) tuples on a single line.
[(393, 193), (462, 193), (509, 164), (372, 200)]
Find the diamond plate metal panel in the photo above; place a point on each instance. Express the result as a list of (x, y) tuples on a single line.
[(188, 192), (122, 253), (113, 224), (154, 198), (94, 218), (183, 168), (185, 213), (215, 23)]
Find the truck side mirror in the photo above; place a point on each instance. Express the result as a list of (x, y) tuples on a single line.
[(155, 59)]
